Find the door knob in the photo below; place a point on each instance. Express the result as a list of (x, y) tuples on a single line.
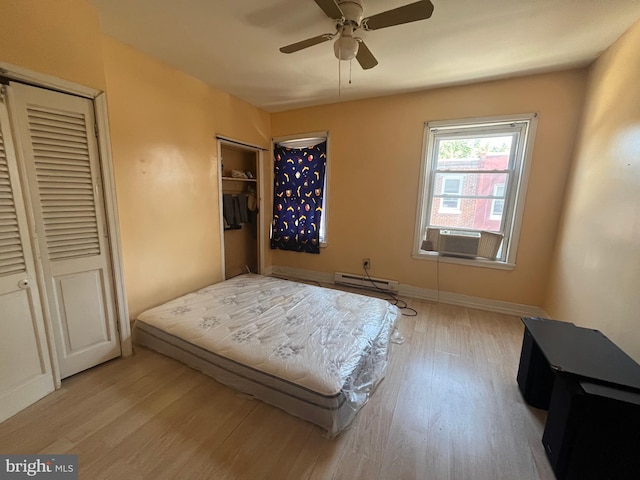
[(24, 283)]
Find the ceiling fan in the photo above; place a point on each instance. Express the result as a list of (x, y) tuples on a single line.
[(349, 17)]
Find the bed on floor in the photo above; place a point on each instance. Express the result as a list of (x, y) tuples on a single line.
[(314, 352)]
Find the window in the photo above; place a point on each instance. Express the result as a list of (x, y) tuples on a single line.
[(474, 180), (300, 193), (497, 204), (450, 191)]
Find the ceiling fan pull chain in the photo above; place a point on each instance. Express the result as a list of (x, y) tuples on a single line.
[(339, 78), (350, 64)]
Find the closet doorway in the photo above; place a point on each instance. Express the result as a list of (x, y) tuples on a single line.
[(58, 290), (240, 207)]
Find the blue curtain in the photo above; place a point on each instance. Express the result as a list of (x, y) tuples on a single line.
[(297, 202)]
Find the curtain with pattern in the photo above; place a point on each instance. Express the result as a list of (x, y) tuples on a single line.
[(297, 202)]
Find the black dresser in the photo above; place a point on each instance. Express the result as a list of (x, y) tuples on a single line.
[(591, 389)]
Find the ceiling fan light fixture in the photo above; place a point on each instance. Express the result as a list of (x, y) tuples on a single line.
[(346, 48)]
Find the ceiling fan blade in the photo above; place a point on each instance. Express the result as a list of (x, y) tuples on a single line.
[(309, 42), (409, 13), (330, 9), (365, 57)]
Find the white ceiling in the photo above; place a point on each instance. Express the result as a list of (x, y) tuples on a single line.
[(233, 44)]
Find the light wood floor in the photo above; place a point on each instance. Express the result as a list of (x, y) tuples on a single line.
[(449, 408)]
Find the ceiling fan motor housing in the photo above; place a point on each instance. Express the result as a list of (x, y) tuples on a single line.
[(352, 10), (346, 47)]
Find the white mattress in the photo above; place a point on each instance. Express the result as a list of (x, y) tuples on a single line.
[(318, 346)]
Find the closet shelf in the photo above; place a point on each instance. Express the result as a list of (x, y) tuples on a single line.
[(253, 180)]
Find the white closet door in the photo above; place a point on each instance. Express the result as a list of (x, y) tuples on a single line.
[(62, 166), (25, 365)]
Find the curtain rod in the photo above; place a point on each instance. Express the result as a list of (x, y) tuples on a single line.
[(322, 134)]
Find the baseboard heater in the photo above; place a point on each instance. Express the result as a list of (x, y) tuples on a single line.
[(364, 282)]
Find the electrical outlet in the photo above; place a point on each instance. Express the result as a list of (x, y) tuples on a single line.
[(366, 263)]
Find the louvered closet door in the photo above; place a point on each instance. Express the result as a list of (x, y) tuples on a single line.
[(62, 166), (25, 366)]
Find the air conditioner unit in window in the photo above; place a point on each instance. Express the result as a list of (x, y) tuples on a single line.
[(463, 243)]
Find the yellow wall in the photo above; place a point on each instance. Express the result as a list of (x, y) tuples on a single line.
[(375, 156), (163, 127), (595, 280), (57, 37), (163, 124)]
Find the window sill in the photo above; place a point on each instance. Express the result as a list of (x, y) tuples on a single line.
[(472, 262)]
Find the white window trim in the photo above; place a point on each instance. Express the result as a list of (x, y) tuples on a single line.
[(319, 137), (519, 189)]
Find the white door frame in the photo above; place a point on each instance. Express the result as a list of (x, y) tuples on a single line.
[(110, 202), (261, 225)]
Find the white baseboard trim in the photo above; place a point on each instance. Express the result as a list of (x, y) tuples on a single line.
[(301, 274), (491, 305), (419, 293)]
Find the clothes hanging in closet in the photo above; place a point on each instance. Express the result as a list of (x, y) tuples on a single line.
[(235, 210)]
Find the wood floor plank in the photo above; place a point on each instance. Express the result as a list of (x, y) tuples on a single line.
[(448, 409)]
